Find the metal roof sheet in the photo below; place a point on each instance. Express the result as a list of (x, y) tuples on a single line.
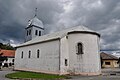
[(59, 34)]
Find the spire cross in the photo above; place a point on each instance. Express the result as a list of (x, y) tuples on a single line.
[(35, 11)]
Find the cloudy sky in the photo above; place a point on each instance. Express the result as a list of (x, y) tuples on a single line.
[(99, 15)]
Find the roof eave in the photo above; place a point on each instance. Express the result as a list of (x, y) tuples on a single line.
[(38, 42), (109, 59), (84, 32)]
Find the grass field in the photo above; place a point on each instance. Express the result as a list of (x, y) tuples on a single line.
[(32, 75)]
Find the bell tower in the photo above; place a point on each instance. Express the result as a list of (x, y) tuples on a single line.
[(34, 28)]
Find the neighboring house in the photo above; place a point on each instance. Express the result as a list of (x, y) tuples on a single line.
[(70, 51), (10, 54), (109, 61)]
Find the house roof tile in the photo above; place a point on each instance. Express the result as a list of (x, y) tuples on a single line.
[(8, 53), (108, 56)]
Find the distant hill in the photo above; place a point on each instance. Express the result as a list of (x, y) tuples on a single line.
[(6, 46)]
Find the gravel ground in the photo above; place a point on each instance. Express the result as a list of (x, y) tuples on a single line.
[(95, 78), (108, 74), (5, 71)]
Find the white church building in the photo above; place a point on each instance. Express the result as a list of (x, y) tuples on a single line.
[(71, 51)]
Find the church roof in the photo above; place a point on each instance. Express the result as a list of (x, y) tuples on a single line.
[(36, 22), (59, 35)]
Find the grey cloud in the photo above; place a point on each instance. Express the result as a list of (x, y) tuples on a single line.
[(14, 16), (100, 15)]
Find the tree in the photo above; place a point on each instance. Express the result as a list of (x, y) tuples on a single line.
[(2, 58), (6, 46), (1, 44)]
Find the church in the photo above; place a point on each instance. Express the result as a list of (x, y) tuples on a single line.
[(71, 51)]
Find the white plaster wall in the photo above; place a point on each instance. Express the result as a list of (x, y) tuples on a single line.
[(86, 63), (48, 61), (64, 55), (32, 35), (33, 32), (10, 60)]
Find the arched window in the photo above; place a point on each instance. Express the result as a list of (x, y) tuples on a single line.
[(79, 48), (38, 53), (22, 54), (36, 32), (29, 54)]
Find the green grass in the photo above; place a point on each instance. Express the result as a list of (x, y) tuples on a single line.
[(26, 75)]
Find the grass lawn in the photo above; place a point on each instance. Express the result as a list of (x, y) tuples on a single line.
[(26, 75)]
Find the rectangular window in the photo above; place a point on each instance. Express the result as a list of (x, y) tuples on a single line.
[(39, 33), (22, 55), (36, 32), (29, 32), (66, 63), (107, 63)]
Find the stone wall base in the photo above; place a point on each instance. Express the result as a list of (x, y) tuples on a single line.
[(58, 73)]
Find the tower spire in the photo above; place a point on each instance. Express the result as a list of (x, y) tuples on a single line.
[(35, 12), (35, 27)]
